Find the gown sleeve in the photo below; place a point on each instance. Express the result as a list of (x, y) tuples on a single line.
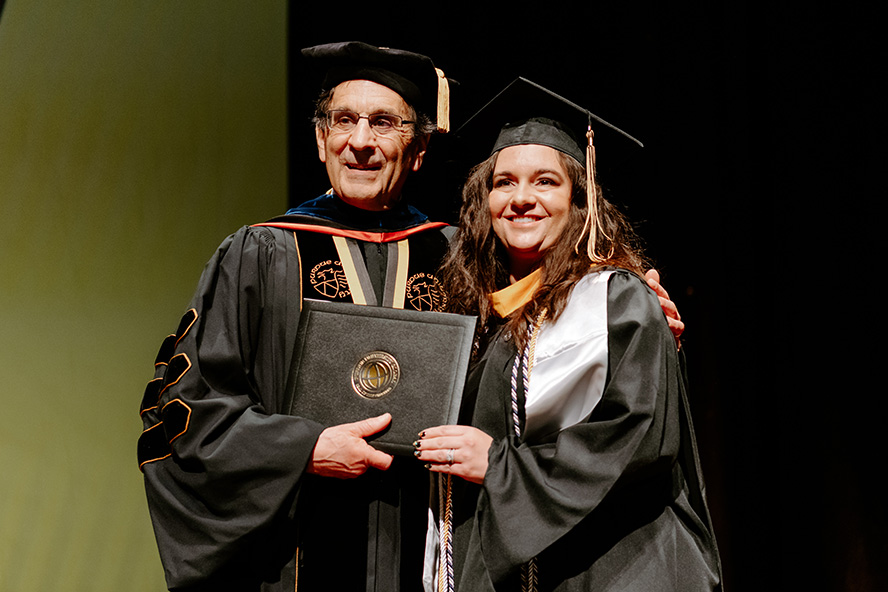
[(221, 464), (535, 494)]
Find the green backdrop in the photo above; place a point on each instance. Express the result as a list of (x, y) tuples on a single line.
[(134, 136)]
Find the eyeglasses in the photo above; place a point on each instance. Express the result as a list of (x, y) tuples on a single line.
[(381, 124)]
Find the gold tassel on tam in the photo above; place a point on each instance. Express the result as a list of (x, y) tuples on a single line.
[(443, 102)]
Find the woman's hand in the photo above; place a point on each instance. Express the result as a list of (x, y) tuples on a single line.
[(455, 450)]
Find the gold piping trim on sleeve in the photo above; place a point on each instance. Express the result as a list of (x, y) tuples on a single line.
[(158, 398), (151, 460), (184, 372), (187, 419), (156, 364), (188, 328)]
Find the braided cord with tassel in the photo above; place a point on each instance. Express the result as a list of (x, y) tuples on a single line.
[(523, 365), (445, 527)]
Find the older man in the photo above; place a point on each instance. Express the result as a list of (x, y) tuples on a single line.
[(242, 495)]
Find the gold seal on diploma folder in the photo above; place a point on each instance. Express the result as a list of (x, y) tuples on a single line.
[(352, 362)]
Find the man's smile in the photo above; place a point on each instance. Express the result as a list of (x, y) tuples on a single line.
[(362, 167)]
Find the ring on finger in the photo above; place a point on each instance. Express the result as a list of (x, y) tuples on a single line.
[(450, 456)]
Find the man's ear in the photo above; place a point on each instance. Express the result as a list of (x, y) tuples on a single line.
[(321, 137), (420, 145)]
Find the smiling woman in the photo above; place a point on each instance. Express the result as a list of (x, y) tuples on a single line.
[(578, 469), (529, 204), (533, 196)]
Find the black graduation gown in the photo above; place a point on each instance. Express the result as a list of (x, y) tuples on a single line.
[(613, 503), (224, 466)]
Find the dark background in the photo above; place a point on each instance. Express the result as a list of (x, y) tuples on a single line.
[(755, 195)]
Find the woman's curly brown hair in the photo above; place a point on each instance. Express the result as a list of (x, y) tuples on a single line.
[(477, 264)]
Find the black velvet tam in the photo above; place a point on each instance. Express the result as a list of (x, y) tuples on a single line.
[(409, 74)]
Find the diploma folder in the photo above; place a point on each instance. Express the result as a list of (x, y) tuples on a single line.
[(352, 362)]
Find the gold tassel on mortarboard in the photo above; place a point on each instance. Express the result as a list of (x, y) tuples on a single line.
[(593, 221)]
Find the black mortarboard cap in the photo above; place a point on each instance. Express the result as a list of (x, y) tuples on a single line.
[(411, 75), (527, 113)]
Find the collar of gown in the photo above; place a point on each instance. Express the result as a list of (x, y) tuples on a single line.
[(330, 207), (513, 297)]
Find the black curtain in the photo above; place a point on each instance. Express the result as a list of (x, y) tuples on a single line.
[(752, 195)]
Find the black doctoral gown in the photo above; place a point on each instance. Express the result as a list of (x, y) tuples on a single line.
[(224, 466), (614, 502)]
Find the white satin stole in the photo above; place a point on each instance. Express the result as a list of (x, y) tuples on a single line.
[(570, 362)]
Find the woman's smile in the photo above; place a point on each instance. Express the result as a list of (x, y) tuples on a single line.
[(529, 203)]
